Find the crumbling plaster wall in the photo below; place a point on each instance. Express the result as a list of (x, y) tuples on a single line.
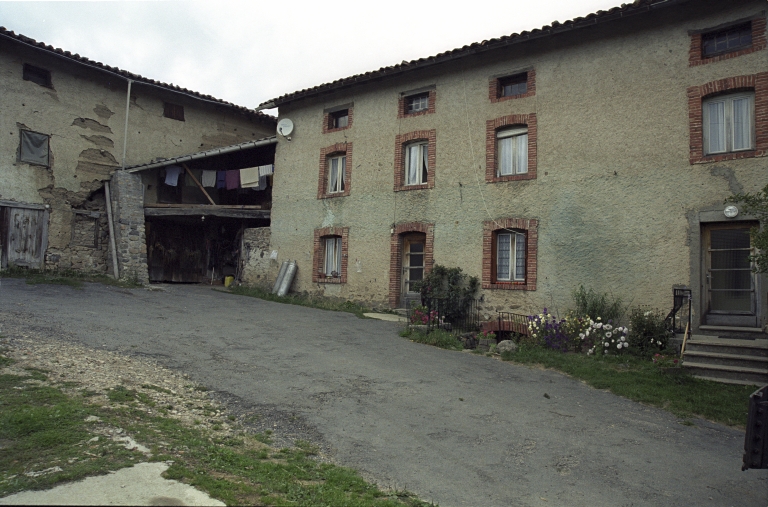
[(256, 251), (83, 112), (614, 187)]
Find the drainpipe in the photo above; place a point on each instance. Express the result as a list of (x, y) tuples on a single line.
[(125, 130)]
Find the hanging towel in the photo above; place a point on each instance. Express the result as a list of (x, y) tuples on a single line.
[(172, 175), (233, 179), (264, 170), (209, 179), (249, 177), (221, 179)]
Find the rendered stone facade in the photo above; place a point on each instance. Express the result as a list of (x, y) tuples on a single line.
[(614, 194)]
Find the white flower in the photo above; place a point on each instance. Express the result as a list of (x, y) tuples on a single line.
[(581, 335), (618, 345), (659, 342), (606, 344), (599, 318), (608, 327), (622, 338), (608, 334), (599, 325), (646, 313), (613, 341), (587, 333)]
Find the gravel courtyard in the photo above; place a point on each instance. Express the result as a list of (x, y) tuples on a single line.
[(452, 427)]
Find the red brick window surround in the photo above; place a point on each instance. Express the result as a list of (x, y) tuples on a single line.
[(699, 38), (406, 99), (492, 163), (338, 119), (526, 231), (402, 143), (506, 87), (331, 255), (343, 152), (396, 255), (697, 95)]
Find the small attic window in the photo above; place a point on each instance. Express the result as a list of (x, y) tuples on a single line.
[(173, 111), (37, 75)]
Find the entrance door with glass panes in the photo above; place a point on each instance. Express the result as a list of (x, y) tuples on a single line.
[(413, 265), (730, 290)]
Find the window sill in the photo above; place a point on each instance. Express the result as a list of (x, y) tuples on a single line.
[(423, 186), (725, 56), (720, 157), (335, 194), (328, 130), (512, 97), (513, 177), (510, 286), (323, 279)]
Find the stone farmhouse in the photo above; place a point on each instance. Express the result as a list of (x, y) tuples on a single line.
[(598, 151), (71, 124)]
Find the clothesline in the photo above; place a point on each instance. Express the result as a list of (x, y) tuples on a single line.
[(249, 177)]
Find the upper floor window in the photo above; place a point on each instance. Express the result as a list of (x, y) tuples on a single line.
[(337, 167), (512, 151), (726, 40), (173, 111), (416, 163), (339, 119), (513, 85), (34, 148), (417, 103), (37, 75), (729, 123)]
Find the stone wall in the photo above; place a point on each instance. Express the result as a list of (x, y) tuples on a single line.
[(130, 238), (257, 262)]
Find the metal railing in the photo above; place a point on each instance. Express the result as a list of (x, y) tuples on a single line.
[(438, 313), (680, 315), (510, 324)]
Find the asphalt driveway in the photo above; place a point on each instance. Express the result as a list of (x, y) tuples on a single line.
[(453, 427)]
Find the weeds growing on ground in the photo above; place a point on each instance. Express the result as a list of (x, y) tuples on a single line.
[(68, 277), (641, 380), (302, 300), (437, 337)]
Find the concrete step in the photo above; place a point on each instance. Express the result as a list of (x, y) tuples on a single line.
[(748, 376), (751, 348), (757, 362)]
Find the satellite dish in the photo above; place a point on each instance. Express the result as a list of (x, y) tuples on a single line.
[(285, 127)]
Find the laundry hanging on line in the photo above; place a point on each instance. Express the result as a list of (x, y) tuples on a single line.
[(233, 179), (208, 179), (172, 173)]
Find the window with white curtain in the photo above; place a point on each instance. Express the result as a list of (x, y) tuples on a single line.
[(332, 259), (510, 256), (512, 151), (729, 123), (337, 167), (416, 163)]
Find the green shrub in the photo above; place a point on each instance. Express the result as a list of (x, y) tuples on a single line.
[(438, 338), (455, 288), (648, 332), (608, 307)]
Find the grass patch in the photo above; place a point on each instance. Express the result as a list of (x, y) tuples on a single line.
[(46, 441), (302, 300), (74, 279), (640, 380), (438, 338)]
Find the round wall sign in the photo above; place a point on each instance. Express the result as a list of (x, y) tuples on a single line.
[(731, 211)]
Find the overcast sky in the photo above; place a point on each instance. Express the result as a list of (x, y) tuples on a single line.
[(250, 52)]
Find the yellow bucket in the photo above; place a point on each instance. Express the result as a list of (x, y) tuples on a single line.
[(228, 280)]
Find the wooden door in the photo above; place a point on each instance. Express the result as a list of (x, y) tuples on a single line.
[(412, 264), (26, 237), (730, 286)]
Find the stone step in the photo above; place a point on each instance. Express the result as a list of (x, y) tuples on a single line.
[(749, 376), (756, 362)]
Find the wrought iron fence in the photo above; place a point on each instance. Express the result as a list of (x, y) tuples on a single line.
[(440, 313)]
